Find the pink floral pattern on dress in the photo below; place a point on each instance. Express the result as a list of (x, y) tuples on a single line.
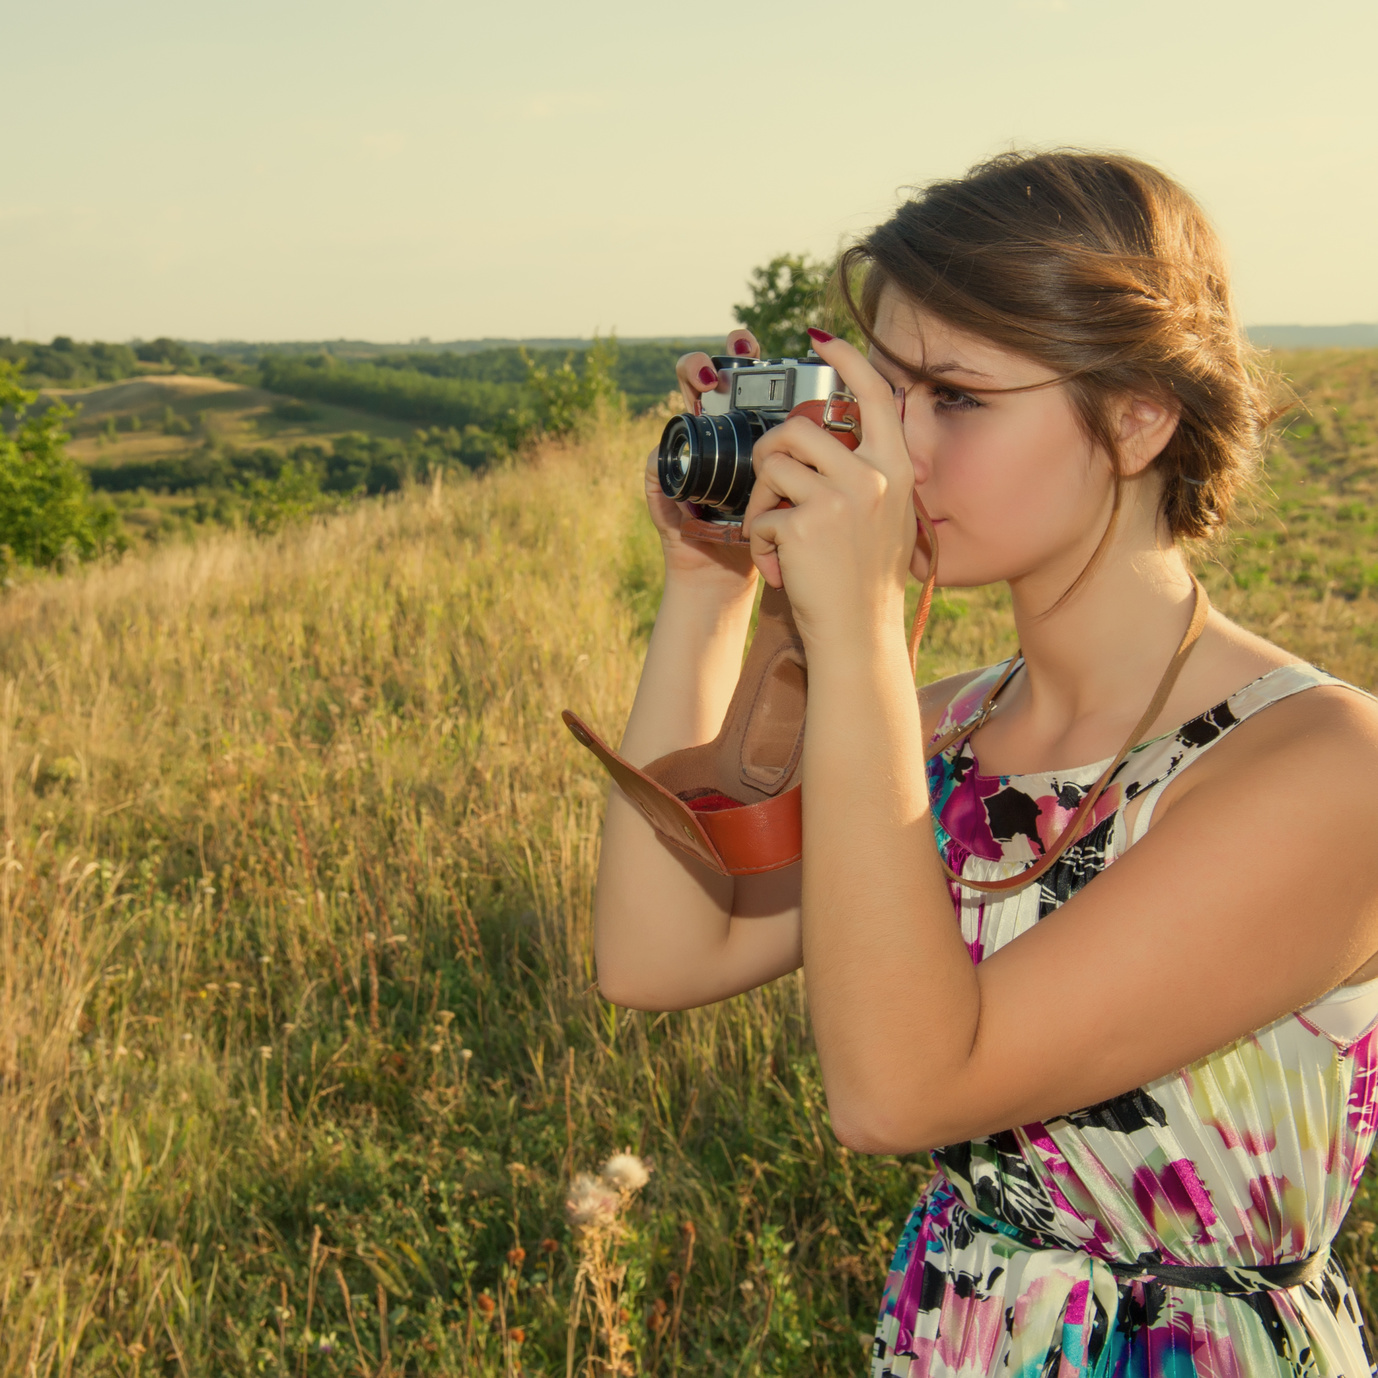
[(1032, 1252)]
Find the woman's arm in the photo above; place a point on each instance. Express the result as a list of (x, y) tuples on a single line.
[(1256, 892), (669, 933)]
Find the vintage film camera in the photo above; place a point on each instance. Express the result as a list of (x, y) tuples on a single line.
[(706, 460)]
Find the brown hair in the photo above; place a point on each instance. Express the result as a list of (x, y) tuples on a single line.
[(1103, 269)]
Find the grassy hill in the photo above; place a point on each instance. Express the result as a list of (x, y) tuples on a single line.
[(139, 409), (150, 427), (299, 1049), (229, 445)]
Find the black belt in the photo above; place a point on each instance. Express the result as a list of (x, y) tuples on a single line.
[(1240, 1280)]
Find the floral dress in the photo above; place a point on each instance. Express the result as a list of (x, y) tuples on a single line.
[(1179, 1229)]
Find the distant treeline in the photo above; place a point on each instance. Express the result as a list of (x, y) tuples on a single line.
[(65, 363), (350, 465), (1356, 336), (504, 392), (644, 372), (249, 352), (68, 363), (498, 415)]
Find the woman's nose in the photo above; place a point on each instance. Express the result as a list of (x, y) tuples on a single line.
[(916, 441)]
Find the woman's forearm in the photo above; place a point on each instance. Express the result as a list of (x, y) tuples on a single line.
[(889, 979), (665, 935), (692, 663)]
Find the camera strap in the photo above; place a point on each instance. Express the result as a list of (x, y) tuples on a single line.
[(734, 803)]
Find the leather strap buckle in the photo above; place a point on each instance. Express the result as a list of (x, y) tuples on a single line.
[(840, 421)]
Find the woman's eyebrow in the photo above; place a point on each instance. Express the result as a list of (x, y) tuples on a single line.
[(952, 366)]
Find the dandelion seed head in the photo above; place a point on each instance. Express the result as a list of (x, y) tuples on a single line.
[(590, 1201), (626, 1172)]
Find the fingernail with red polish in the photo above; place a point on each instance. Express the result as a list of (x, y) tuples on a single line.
[(707, 377), (741, 347), (819, 336)]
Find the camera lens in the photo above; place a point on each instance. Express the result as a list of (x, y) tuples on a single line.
[(707, 459)]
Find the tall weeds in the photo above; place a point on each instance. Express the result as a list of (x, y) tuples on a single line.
[(296, 937)]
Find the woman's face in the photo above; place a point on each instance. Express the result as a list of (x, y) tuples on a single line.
[(1013, 484)]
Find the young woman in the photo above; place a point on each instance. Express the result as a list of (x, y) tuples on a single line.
[(1149, 1086)]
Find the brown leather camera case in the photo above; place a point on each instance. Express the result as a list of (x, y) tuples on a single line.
[(753, 761)]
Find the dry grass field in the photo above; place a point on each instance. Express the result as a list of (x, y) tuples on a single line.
[(299, 1049)]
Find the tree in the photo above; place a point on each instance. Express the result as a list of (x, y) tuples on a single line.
[(568, 400), (47, 515), (170, 352), (787, 295)]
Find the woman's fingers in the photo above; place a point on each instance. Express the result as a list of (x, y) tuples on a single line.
[(743, 344), (696, 376), (785, 470), (782, 484), (764, 547), (881, 426), (782, 479)]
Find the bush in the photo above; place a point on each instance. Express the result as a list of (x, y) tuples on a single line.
[(568, 401), (291, 410), (170, 352), (47, 516), (174, 424)]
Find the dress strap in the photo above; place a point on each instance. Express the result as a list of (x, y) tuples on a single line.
[(977, 720)]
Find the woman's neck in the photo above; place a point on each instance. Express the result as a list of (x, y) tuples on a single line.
[(1091, 661)]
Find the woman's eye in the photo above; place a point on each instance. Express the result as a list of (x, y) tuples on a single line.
[(950, 399)]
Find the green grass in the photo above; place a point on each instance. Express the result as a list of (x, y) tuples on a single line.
[(301, 942), (299, 1047)]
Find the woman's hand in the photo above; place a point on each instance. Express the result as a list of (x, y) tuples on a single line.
[(845, 544), (697, 375), (727, 569)]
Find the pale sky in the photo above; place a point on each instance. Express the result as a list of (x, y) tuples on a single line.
[(306, 170)]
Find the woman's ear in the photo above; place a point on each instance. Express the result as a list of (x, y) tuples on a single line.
[(1146, 426)]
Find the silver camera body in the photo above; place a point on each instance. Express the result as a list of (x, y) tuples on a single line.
[(706, 459)]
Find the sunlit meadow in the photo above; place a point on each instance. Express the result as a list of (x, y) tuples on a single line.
[(300, 1050)]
